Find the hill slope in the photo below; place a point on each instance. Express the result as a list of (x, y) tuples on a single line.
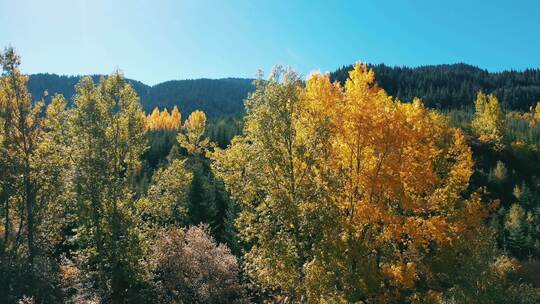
[(216, 97)]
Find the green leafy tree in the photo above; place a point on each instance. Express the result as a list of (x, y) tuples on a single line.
[(32, 185), (167, 200), (107, 144), (21, 137)]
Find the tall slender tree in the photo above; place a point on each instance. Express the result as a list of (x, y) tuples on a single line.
[(515, 226), (21, 137), (108, 141), (32, 179)]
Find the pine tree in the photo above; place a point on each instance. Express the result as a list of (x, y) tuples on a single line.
[(535, 231), (515, 227), (201, 196), (527, 198)]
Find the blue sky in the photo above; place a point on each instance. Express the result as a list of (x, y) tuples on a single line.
[(154, 41)]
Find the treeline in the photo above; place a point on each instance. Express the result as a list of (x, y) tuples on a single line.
[(456, 85), (440, 86), (326, 193), (216, 97), (43, 86)]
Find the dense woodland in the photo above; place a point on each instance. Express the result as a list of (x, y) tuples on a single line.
[(322, 192), (455, 85)]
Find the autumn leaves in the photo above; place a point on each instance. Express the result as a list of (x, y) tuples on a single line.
[(347, 194)]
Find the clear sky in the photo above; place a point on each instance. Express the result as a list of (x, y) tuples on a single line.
[(154, 41)]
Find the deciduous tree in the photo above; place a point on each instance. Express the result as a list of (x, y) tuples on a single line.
[(33, 178), (191, 268), (489, 119), (193, 140), (108, 141), (346, 193)]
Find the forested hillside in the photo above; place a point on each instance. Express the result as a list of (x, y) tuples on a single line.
[(221, 97), (217, 97), (455, 85), (45, 86)]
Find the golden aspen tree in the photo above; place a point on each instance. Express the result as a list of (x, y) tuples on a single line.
[(534, 116), (347, 194), (193, 140), (164, 120), (153, 119), (176, 119), (489, 120), (146, 121), (403, 171)]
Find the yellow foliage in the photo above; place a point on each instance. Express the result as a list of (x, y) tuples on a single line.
[(176, 119), (534, 116), (366, 172), (163, 120), (403, 275), (193, 140), (489, 121)]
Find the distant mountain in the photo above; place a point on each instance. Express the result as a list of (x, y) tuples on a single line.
[(216, 97), (455, 85)]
